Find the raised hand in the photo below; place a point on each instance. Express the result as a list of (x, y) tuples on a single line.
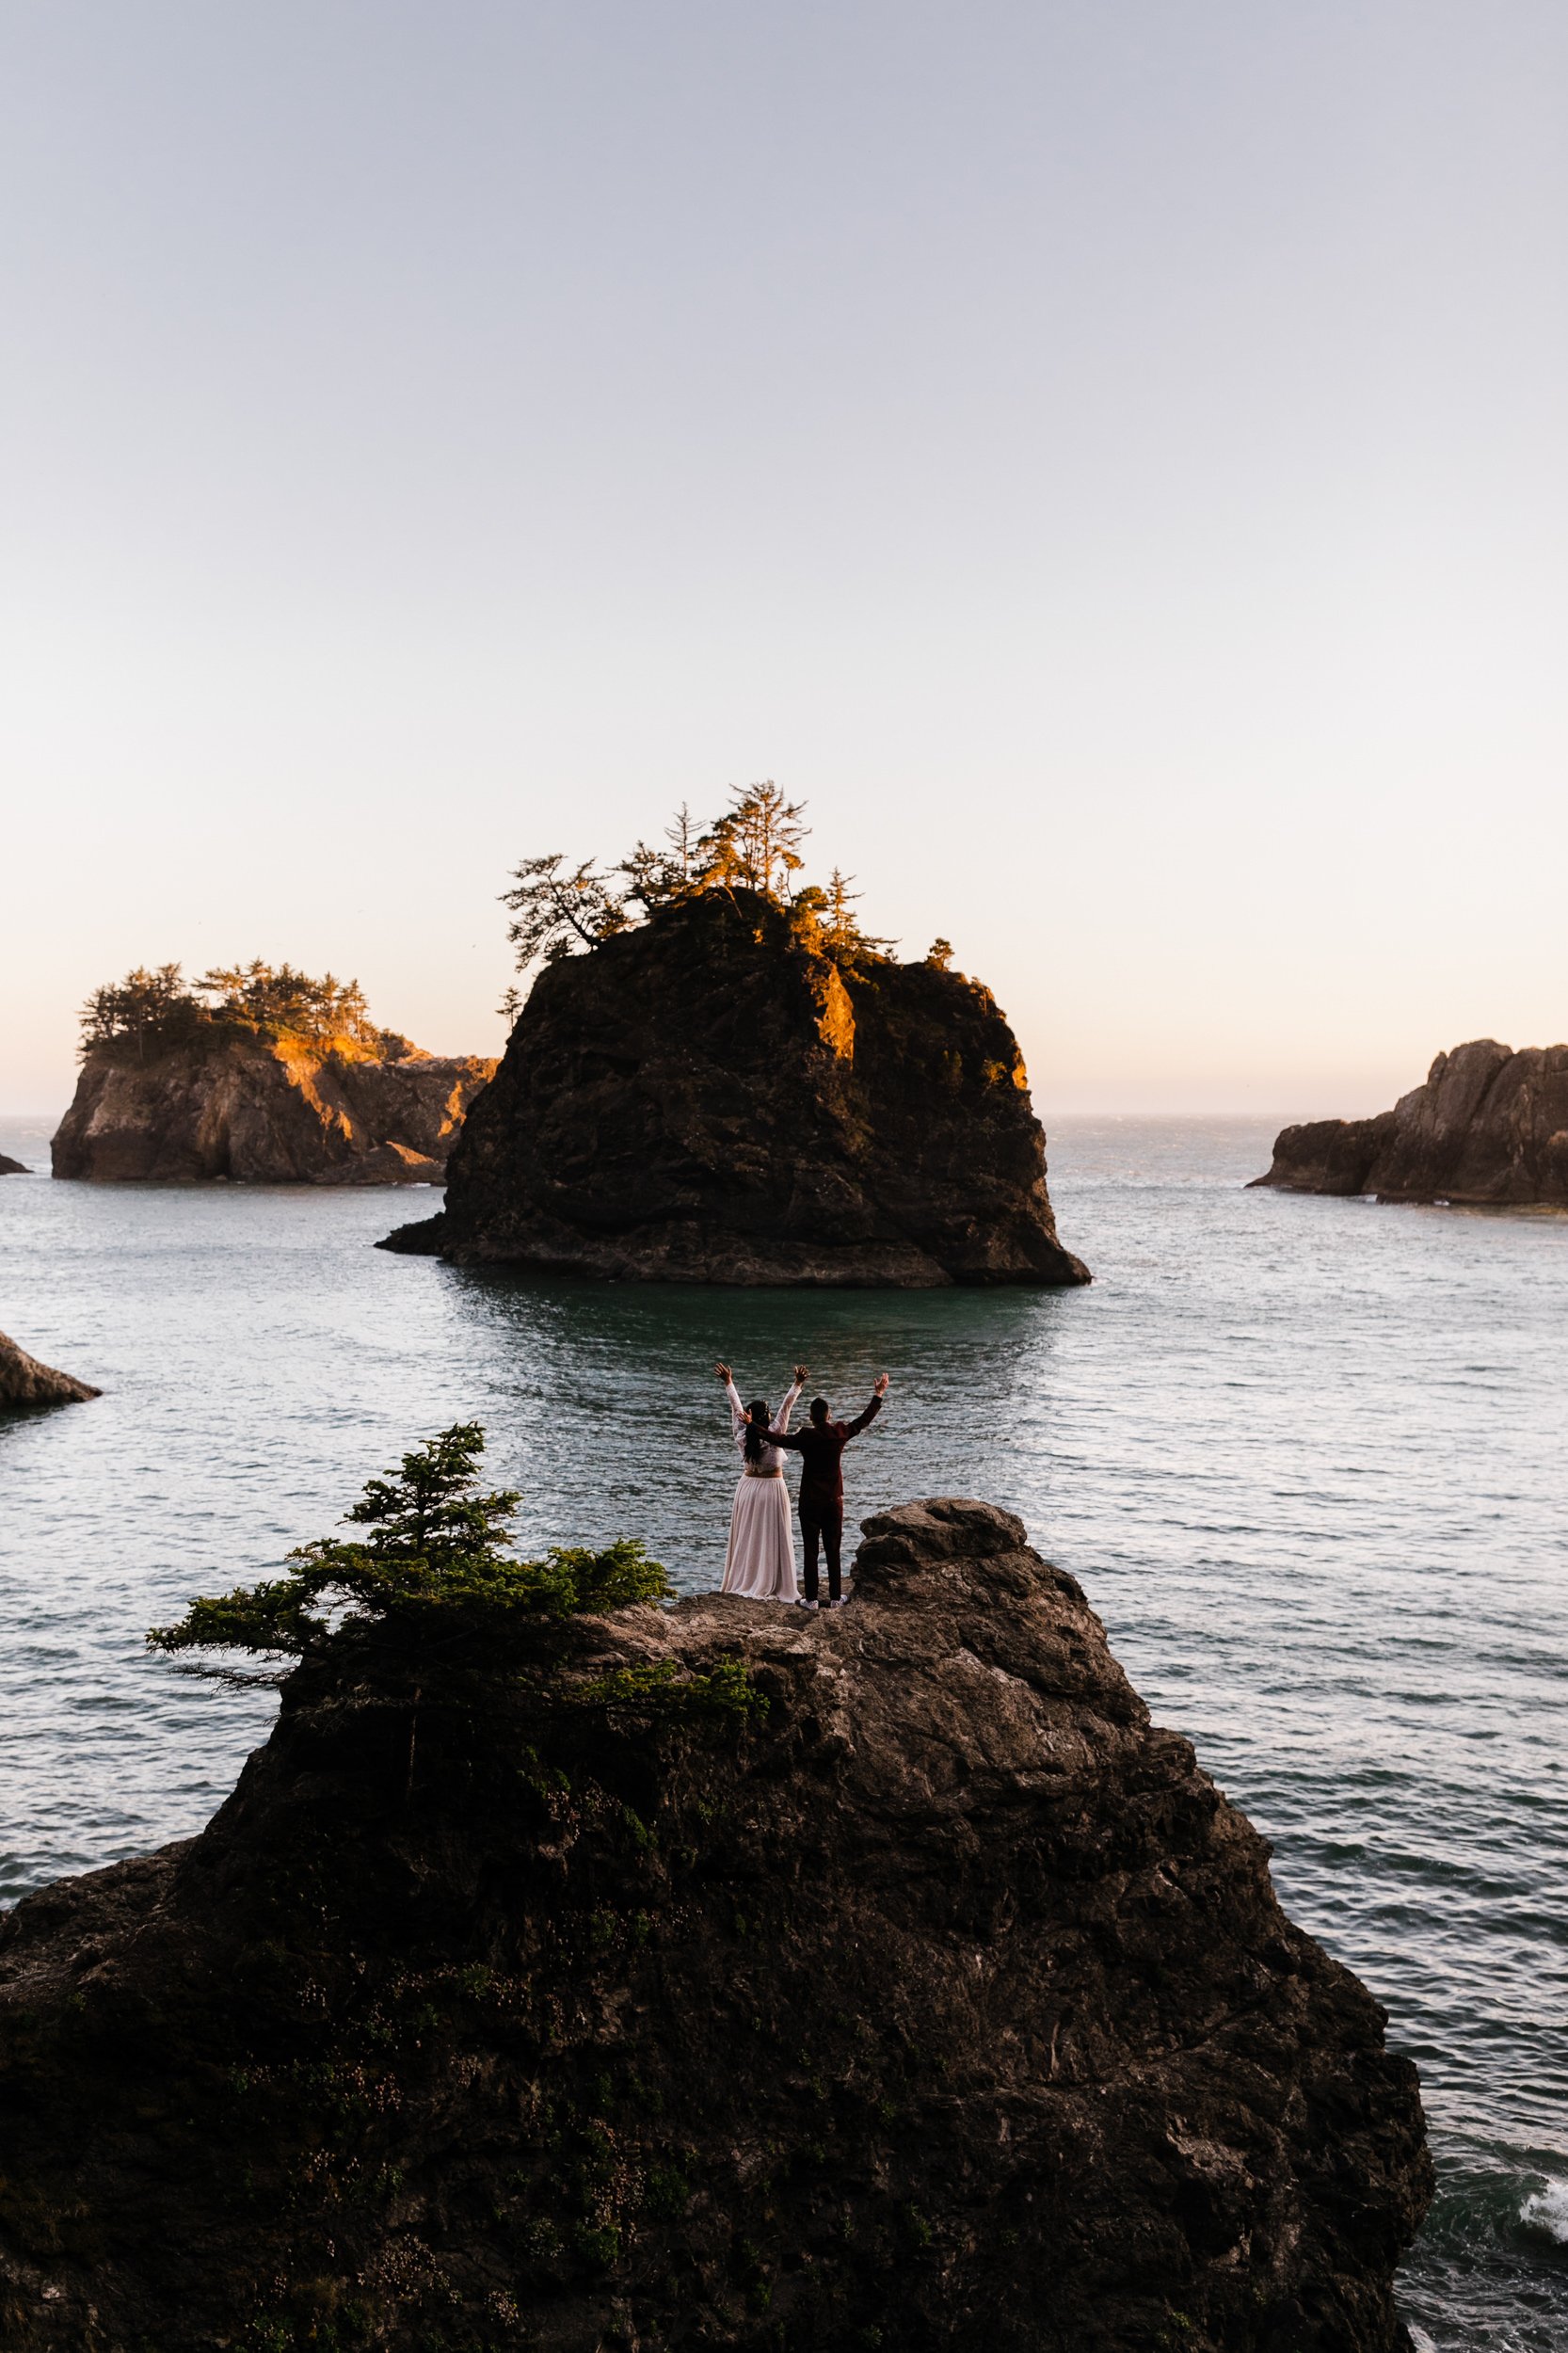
[(880, 1384), (802, 1372), (723, 1371)]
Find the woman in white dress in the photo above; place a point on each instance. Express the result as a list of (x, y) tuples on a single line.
[(760, 1562)]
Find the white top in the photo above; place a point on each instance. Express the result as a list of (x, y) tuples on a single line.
[(772, 1456)]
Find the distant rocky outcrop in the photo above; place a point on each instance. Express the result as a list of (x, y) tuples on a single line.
[(935, 2000), (228, 1101), (13, 1168), (1489, 1127), (710, 1097), (25, 1382)]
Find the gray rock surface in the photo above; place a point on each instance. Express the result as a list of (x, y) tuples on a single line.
[(1488, 1128), (13, 1168)]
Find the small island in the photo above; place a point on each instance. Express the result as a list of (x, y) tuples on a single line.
[(719, 1076), (25, 1381), (571, 1971), (1489, 1129), (256, 1075)]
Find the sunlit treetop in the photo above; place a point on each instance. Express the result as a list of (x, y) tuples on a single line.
[(159, 1009), (753, 846)]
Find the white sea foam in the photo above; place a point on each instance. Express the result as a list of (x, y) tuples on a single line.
[(1547, 2210)]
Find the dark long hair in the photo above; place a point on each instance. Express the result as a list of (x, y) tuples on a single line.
[(757, 1418)]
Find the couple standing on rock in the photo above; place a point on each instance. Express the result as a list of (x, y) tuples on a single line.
[(760, 1562)]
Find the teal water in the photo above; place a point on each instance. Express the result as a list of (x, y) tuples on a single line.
[(1306, 1456)]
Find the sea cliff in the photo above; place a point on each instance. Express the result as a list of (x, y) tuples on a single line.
[(259, 1109), (1488, 1127), (708, 1098), (932, 1998)]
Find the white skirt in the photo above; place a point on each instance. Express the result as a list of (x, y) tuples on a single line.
[(760, 1562)]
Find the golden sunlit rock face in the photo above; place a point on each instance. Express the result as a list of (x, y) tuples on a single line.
[(255, 1109), (711, 1097), (836, 1027)]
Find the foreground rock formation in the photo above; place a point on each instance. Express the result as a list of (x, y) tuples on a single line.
[(705, 1099), (25, 1382), (945, 2003), (1489, 1126), (259, 1110)]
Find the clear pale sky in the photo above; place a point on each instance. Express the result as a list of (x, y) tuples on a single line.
[(1111, 460)]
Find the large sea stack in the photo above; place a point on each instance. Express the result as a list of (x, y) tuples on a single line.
[(262, 1109), (941, 2002), (1489, 1127), (710, 1099)]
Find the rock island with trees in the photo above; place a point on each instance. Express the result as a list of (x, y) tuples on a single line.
[(259, 1073), (719, 1075)]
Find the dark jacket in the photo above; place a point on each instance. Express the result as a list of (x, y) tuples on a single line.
[(821, 1446)]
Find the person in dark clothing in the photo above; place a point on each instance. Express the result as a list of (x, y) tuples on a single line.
[(821, 1446)]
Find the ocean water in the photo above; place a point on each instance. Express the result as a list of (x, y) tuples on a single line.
[(1307, 1458)]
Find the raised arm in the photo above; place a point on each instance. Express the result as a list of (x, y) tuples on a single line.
[(737, 1411), (853, 1429), (782, 1419)]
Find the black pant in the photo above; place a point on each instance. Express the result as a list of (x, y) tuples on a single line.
[(822, 1522)]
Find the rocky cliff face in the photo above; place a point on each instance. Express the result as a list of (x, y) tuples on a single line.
[(25, 1382), (706, 1100), (1489, 1126), (266, 1110), (945, 2003)]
